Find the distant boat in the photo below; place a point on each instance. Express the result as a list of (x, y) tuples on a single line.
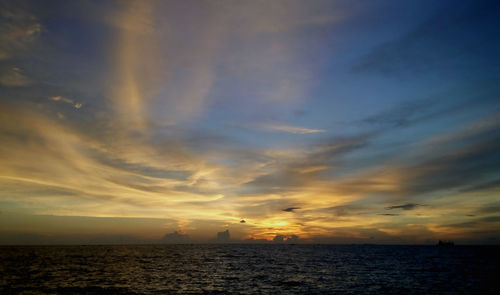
[(445, 243)]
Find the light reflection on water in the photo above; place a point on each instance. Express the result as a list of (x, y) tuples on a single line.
[(249, 269)]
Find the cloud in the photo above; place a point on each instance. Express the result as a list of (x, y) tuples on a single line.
[(454, 102), (491, 208), (106, 173), (143, 67), (455, 167), (409, 206), (457, 38), (404, 114), (345, 210), (304, 167), (286, 16), (135, 36), (13, 77), (19, 28), (393, 179), (155, 136), (487, 185), (477, 223), (416, 179), (76, 105), (291, 129)]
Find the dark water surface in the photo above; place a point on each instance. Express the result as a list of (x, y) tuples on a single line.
[(249, 269)]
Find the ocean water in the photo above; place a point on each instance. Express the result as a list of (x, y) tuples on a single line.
[(249, 269)]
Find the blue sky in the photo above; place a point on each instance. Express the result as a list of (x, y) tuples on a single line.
[(376, 121)]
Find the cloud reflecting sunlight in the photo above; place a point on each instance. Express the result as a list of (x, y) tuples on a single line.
[(287, 121)]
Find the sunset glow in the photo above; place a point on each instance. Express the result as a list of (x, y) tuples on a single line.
[(335, 122)]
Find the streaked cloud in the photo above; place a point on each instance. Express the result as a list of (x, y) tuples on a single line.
[(291, 129), (280, 121), (13, 77), (19, 28), (408, 206)]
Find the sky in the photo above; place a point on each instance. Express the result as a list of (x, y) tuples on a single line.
[(307, 121)]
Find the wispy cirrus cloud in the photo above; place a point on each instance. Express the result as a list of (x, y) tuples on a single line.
[(19, 28), (160, 86), (64, 99), (290, 129), (13, 77)]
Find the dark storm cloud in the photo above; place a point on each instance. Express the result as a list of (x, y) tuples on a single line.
[(459, 37), (409, 206)]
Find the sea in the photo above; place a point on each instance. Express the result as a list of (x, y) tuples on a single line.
[(249, 269)]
